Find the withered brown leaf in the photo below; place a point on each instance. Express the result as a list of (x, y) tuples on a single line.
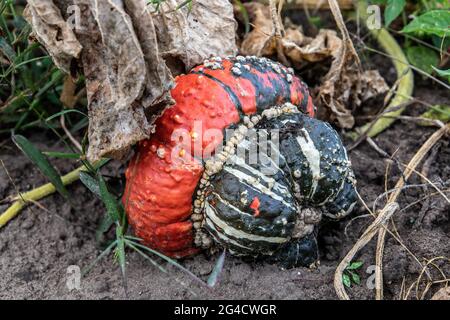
[(53, 32), (129, 54), (344, 87)]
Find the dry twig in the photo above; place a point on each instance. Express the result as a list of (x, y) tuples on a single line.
[(370, 232), (379, 224), (410, 168)]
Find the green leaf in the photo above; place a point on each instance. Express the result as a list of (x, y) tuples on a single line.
[(108, 199), (245, 16), (83, 123), (120, 254), (422, 58), (438, 112), (123, 217), (62, 155), (393, 10), (90, 183), (41, 162), (355, 278), (346, 280), (443, 73), (105, 224), (432, 22), (7, 50), (214, 276), (355, 265)]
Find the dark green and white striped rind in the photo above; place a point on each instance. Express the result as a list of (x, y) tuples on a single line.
[(312, 170), (231, 220), (318, 161)]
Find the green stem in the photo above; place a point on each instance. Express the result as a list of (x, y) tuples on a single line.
[(24, 199), (404, 74)]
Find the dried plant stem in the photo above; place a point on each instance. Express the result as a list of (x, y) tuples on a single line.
[(69, 99), (404, 73), (379, 224), (23, 199), (410, 168), (337, 14), (74, 141), (416, 283), (316, 4), (370, 232), (277, 28)]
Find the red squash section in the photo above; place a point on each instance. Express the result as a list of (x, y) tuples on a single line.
[(163, 175)]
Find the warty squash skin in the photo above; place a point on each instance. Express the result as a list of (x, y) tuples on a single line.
[(183, 195)]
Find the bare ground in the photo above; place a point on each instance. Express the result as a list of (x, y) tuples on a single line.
[(37, 246)]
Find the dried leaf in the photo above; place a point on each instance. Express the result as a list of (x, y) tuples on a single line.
[(159, 80), (129, 55), (442, 294), (296, 46), (53, 32), (260, 41), (311, 49), (190, 35), (344, 87), (68, 97), (115, 121)]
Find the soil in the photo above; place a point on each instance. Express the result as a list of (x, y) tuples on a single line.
[(38, 246)]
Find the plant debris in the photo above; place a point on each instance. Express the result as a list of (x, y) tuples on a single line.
[(53, 32), (130, 53), (442, 294), (345, 87)]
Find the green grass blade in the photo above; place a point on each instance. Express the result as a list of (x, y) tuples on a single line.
[(64, 112), (90, 183), (184, 3), (120, 254), (108, 199), (133, 238), (170, 261), (83, 123), (101, 163), (105, 224), (105, 252), (61, 155), (7, 50), (41, 162), (245, 16), (217, 271), (146, 257)]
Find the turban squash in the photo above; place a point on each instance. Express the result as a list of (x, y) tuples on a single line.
[(193, 186)]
